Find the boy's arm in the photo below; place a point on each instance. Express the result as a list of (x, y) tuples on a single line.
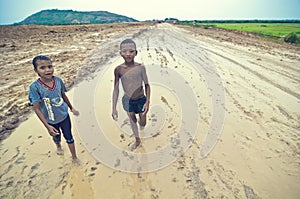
[(146, 105), (52, 131), (115, 95), (66, 99), (147, 90)]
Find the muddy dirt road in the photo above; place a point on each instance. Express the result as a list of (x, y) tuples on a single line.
[(223, 122)]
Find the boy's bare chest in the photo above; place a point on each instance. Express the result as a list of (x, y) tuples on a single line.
[(129, 71)]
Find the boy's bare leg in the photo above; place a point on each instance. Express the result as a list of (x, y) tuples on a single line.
[(72, 150), (134, 128), (142, 121)]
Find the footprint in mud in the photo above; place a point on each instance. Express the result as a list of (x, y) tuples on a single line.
[(250, 194), (164, 100), (93, 168), (20, 160), (157, 119), (79, 182), (117, 163), (153, 119), (32, 169), (209, 171), (5, 152), (171, 125), (122, 137)]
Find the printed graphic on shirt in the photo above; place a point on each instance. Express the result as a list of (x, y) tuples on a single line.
[(49, 108), (58, 101), (55, 102)]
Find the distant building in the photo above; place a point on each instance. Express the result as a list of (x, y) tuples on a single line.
[(171, 20)]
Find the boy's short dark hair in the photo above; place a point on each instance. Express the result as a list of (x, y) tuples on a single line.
[(39, 57), (128, 41)]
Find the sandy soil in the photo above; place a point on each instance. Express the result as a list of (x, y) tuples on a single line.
[(255, 155)]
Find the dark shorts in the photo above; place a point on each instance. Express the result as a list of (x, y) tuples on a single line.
[(65, 127), (135, 106)]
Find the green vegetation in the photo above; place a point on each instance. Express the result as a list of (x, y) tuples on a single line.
[(288, 31), (274, 29), (59, 17)]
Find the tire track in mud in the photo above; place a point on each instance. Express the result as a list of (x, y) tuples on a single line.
[(282, 118), (255, 114), (281, 73), (262, 77)]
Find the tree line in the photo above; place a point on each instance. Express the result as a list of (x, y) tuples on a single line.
[(246, 21)]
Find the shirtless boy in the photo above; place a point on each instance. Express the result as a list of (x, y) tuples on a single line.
[(135, 100)]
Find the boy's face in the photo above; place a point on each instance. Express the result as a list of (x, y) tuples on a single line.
[(128, 52), (44, 69)]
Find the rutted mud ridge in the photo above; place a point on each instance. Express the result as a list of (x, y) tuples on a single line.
[(256, 155)]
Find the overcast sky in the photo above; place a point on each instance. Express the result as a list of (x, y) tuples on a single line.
[(12, 11)]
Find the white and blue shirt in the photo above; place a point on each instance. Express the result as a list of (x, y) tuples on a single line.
[(53, 107)]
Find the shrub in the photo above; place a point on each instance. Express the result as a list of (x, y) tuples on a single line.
[(292, 38)]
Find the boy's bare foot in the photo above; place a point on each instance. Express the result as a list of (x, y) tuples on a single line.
[(59, 150), (135, 145), (76, 160)]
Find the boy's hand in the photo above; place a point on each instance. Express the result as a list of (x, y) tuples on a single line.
[(75, 112), (115, 115), (145, 108), (52, 131)]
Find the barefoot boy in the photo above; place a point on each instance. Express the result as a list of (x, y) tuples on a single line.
[(134, 101), (50, 103)]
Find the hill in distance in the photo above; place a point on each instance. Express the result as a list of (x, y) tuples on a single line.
[(60, 17)]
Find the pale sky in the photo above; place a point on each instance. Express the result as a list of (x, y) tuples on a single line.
[(12, 11)]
